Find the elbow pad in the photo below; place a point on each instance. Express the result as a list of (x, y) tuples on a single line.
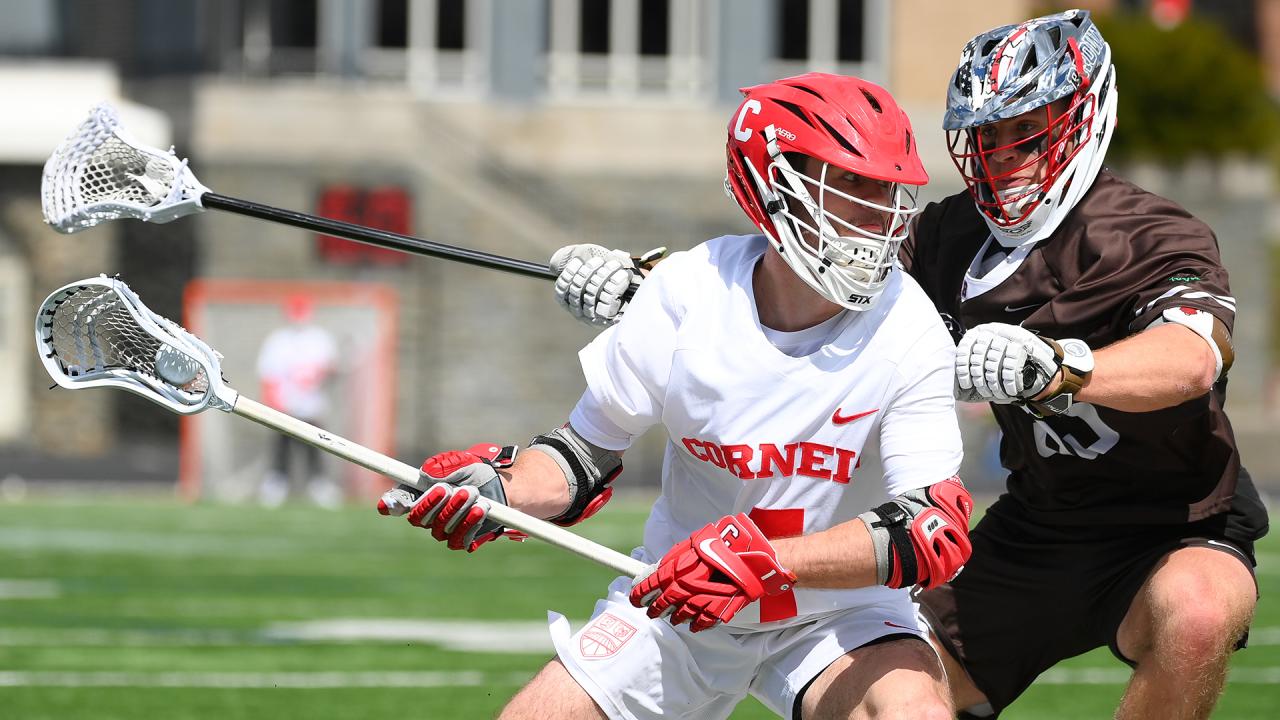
[(588, 469), (921, 537), (1208, 327)]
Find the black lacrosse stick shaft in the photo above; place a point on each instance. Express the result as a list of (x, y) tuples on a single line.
[(380, 238)]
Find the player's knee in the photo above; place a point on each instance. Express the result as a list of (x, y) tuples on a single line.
[(1205, 632), (1200, 611), (936, 710), (932, 707), (929, 703)]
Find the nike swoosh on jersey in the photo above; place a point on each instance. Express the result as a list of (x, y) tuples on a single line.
[(707, 546), (839, 419), (894, 624), (1020, 308)]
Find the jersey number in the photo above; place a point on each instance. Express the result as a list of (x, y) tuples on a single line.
[(778, 523), (1078, 426)]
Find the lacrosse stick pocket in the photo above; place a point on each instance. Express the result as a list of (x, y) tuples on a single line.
[(97, 333), (100, 173)]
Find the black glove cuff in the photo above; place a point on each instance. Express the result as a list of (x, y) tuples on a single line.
[(893, 518)]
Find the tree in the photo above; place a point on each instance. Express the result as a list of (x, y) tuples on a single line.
[(1186, 91)]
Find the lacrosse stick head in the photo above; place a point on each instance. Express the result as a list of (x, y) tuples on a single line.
[(101, 173), (97, 333)]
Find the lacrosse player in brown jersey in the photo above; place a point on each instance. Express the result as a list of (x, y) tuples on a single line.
[(1096, 319)]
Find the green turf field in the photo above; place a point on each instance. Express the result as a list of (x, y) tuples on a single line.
[(129, 608)]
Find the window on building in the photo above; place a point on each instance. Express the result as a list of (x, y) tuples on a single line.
[(593, 27), (294, 23), (655, 26), (852, 14), (451, 24), (793, 29), (824, 35), (393, 23)]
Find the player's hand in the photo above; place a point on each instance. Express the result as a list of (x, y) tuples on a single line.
[(595, 283), (450, 508), (708, 578), (940, 534), (1003, 363)]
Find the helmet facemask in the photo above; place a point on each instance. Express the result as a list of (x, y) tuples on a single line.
[(845, 263), (1055, 146)]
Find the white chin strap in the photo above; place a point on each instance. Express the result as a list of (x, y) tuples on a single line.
[(1016, 200)]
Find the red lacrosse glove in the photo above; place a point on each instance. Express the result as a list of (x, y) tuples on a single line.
[(940, 533), (708, 578), (450, 508)]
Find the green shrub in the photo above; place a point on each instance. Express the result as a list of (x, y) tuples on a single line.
[(1187, 91)]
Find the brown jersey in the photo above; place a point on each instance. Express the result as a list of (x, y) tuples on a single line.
[(1119, 260)]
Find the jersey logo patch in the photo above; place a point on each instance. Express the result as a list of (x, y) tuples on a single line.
[(1020, 308), (838, 419), (605, 636)]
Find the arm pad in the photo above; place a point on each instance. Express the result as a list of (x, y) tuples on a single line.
[(921, 537), (588, 470), (1208, 327)]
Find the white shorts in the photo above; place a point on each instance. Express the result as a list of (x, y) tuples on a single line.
[(634, 667)]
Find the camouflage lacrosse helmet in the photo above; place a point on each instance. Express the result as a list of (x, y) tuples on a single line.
[(1013, 70)]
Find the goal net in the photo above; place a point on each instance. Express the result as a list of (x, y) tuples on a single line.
[(351, 394)]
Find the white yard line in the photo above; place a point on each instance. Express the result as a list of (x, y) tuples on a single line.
[(1120, 676), (1268, 563), (465, 636), (468, 636), (154, 544), (1264, 636), (102, 637), (28, 589), (328, 680), (522, 637), (300, 680)]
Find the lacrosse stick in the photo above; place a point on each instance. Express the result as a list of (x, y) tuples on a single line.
[(101, 173), (97, 333)]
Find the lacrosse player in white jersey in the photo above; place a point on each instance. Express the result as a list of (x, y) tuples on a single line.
[(770, 360)]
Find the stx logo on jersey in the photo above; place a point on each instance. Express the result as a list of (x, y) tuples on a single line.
[(750, 462)]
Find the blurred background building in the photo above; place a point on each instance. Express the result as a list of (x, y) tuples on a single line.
[(515, 127)]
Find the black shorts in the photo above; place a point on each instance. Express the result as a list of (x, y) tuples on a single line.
[(1033, 595)]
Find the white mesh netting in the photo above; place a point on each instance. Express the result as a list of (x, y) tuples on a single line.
[(99, 173), (88, 334)]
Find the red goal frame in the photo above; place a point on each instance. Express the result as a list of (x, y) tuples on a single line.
[(201, 293)]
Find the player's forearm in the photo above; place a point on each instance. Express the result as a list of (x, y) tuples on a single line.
[(536, 485), (1159, 368), (839, 557)]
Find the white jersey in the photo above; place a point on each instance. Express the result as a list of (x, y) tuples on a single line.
[(297, 359), (757, 431)]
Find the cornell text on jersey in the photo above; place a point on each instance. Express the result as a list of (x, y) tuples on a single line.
[(750, 462)]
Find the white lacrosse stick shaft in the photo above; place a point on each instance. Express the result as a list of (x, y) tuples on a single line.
[(409, 475)]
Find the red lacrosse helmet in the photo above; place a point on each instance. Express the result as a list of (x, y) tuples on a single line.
[(845, 122)]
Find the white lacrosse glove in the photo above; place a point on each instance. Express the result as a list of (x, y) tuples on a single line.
[(1002, 363), (595, 283)]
